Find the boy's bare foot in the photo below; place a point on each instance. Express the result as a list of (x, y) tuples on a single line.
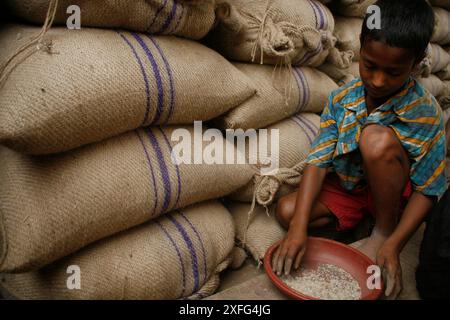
[(371, 246)]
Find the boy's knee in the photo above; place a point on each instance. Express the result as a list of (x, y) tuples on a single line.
[(284, 211), (379, 143)]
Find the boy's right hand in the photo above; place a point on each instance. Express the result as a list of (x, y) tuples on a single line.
[(290, 252)]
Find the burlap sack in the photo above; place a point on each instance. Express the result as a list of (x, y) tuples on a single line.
[(444, 98), (296, 136), (263, 229), (437, 59), (54, 205), (97, 83), (444, 74), (190, 19), (297, 32), (441, 33), (281, 93), (341, 76), (441, 3), (347, 31), (432, 84), (173, 257), (351, 8)]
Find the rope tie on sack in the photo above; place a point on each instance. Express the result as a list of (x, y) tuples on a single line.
[(36, 43), (267, 186)]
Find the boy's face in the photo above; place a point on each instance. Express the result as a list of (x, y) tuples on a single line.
[(384, 69)]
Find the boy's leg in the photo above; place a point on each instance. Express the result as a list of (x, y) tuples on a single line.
[(386, 168), (320, 216)]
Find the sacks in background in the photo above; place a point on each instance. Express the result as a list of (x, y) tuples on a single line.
[(436, 60), (296, 136), (281, 93), (432, 84), (444, 74), (441, 3), (351, 8), (189, 19), (441, 33), (176, 256), (297, 32), (341, 76), (347, 31), (54, 205), (99, 83), (263, 229)]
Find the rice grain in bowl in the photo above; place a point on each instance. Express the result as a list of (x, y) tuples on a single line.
[(329, 270)]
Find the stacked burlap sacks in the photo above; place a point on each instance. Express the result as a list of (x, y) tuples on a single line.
[(51, 206), (176, 256), (296, 135), (93, 84), (190, 19), (294, 32), (281, 93)]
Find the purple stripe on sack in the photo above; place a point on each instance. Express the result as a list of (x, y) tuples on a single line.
[(151, 170), (177, 169), (301, 97), (157, 76), (300, 124), (323, 22), (169, 18), (305, 86), (177, 25), (315, 127), (309, 55), (147, 87), (191, 250), (169, 72), (201, 244), (315, 13), (183, 272), (163, 5), (163, 169), (310, 128)]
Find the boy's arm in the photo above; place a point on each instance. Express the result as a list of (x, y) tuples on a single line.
[(293, 246)]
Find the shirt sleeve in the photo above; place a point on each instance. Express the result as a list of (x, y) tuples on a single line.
[(322, 150), (428, 174)]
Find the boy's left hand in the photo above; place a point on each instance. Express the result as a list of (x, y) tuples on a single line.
[(389, 261)]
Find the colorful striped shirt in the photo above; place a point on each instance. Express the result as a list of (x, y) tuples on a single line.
[(413, 114)]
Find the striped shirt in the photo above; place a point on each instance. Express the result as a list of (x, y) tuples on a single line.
[(414, 116)]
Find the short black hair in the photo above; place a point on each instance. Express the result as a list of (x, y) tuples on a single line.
[(405, 24)]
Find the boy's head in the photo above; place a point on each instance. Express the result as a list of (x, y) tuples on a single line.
[(390, 54)]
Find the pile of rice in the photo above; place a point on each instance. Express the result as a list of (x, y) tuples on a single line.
[(327, 282)]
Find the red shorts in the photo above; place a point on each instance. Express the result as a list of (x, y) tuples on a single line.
[(349, 207)]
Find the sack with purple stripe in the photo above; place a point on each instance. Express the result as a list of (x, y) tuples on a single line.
[(176, 256), (296, 135), (347, 31), (51, 206), (280, 94), (93, 84), (297, 32), (189, 19)]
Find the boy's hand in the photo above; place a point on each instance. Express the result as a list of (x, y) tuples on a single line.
[(389, 261), (290, 251)]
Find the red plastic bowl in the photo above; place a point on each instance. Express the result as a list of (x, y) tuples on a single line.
[(320, 251)]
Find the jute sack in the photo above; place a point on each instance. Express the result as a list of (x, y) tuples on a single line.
[(281, 93), (341, 76), (444, 98), (347, 31), (51, 206), (441, 3), (175, 256), (95, 84), (444, 74), (437, 59), (263, 228), (297, 32), (351, 8), (441, 33), (296, 136), (190, 19), (432, 84)]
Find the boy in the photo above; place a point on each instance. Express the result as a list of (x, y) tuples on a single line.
[(381, 148)]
